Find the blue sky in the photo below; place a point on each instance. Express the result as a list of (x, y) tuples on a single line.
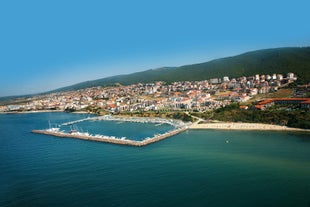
[(45, 45)]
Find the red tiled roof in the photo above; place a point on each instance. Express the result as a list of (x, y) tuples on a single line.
[(112, 105), (282, 99), (265, 102), (291, 99)]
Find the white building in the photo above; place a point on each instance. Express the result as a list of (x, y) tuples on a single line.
[(215, 81), (274, 76), (291, 76), (279, 77), (263, 77), (225, 78)]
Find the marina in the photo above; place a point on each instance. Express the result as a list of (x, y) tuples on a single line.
[(74, 132), (108, 139), (121, 119), (178, 127)]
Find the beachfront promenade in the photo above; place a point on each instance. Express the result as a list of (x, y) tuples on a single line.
[(82, 136)]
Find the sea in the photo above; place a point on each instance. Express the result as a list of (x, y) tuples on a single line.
[(195, 168)]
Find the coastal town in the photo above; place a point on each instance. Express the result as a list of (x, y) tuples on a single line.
[(196, 96)]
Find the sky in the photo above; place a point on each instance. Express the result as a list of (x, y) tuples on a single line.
[(46, 45)]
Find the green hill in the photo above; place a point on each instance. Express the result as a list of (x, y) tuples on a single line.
[(268, 61)]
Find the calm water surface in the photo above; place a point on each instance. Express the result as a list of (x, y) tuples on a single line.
[(195, 168)]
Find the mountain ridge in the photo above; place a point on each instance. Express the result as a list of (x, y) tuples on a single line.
[(266, 61)]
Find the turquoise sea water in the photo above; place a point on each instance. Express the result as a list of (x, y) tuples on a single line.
[(194, 168), (119, 129)]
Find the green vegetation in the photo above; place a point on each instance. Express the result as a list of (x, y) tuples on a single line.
[(269, 61), (161, 114), (281, 93), (89, 109), (169, 115), (291, 118)]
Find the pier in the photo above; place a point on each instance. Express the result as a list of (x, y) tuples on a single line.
[(82, 136)]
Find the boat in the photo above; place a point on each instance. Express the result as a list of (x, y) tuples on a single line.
[(73, 130)]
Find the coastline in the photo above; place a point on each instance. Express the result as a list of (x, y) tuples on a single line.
[(45, 111), (177, 130), (30, 112), (245, 126), (179, 127)]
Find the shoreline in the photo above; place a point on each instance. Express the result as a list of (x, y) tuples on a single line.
[(245, 126), (179, 128), (45, 111), (30, 112), (204, 126)]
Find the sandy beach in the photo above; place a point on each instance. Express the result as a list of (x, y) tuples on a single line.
[(244, 126)]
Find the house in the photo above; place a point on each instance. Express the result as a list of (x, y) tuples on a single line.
[(301, 102), (305, 104), (244, 107)]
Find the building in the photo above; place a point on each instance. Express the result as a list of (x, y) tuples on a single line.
[(226, 79), (279, 77), (299, 102), (268, 77), (291, 76), (215, 80), (305, 104), (274, 76)]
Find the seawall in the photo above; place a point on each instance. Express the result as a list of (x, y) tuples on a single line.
[(145, 142)]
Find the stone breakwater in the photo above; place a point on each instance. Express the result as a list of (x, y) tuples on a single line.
[(84, 136), (175, 123), (179, 126)]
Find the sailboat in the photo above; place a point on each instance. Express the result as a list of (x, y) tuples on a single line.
[(51, 128), (73, 129)]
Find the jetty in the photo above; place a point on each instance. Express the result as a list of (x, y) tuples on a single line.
[(107, 139)]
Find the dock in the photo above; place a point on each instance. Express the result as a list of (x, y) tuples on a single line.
[(128, 142)]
